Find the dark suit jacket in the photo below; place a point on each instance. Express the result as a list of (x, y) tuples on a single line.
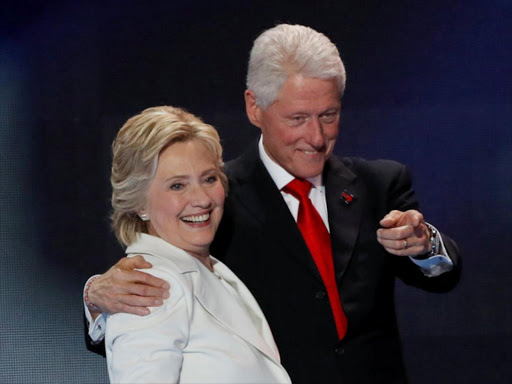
[(260, 241)]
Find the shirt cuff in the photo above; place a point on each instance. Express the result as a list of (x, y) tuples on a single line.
[(436, 264), (96, 327)]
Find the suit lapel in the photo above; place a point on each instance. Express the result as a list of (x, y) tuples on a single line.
[(344, 219), (211, 293), (257, 192)]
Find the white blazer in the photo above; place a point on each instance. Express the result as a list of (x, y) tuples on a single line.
[(210, 330)]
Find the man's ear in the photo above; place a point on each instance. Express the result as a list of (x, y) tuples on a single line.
[(252, 109)]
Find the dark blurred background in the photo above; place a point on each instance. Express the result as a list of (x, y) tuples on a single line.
[(429, 85)]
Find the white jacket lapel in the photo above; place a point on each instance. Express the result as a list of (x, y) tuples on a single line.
[(248, 323)]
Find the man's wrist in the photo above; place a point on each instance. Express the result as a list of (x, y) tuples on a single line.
[(433, 238), (95, 310)]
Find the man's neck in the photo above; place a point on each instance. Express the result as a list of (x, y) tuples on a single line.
[(280, 175)]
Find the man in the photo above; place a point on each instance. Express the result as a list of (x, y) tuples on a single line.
[(322, 262)]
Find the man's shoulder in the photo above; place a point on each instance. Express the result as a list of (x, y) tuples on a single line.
[(249, 155), (380, 168), (243, 165)]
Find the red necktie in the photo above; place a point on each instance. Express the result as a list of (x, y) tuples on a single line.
[(318, 240)]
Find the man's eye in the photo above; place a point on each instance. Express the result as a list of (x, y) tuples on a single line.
[(297, 120), (176, 187), (329, 117)]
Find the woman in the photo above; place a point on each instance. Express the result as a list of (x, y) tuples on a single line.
[(168, 196)]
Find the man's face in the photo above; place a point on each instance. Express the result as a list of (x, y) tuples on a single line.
[(301, 126)]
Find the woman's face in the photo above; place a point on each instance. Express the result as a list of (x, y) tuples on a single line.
[(186, 197)]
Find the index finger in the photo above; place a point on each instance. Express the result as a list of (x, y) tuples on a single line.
[(413, 217), (133, 262)]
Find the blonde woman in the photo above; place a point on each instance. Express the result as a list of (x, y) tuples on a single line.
[(168, 196)]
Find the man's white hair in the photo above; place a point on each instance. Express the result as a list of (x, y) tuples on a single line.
[(291, 49)]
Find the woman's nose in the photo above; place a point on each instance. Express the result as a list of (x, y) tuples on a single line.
[(200, 197)]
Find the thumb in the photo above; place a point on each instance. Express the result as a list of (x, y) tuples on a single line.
[(136, 262)]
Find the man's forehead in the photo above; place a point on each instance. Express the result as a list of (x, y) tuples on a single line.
[(301, 91), (300, 83)]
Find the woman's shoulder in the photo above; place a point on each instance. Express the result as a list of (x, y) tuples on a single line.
[(165, 258), (166, 269), (179, 300)]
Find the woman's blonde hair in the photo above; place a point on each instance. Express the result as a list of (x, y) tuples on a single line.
[(135, 159)]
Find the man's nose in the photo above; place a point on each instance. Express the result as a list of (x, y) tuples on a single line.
[(316, 133)]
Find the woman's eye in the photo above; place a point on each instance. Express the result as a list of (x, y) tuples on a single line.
[(211, 179), (176, 187)]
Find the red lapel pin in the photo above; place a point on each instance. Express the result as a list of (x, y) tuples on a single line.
[(347, 197)]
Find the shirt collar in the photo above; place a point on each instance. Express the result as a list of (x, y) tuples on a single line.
[(280, 176)]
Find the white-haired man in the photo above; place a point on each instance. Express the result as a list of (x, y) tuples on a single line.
[(319, 240)]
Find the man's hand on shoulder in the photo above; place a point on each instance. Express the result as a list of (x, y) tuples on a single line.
[(123, 289), (404, 233)]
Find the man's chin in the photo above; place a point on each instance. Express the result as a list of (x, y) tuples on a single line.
[(308, 171)]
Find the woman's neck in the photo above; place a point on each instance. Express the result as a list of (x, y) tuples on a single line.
[(206, 260)]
